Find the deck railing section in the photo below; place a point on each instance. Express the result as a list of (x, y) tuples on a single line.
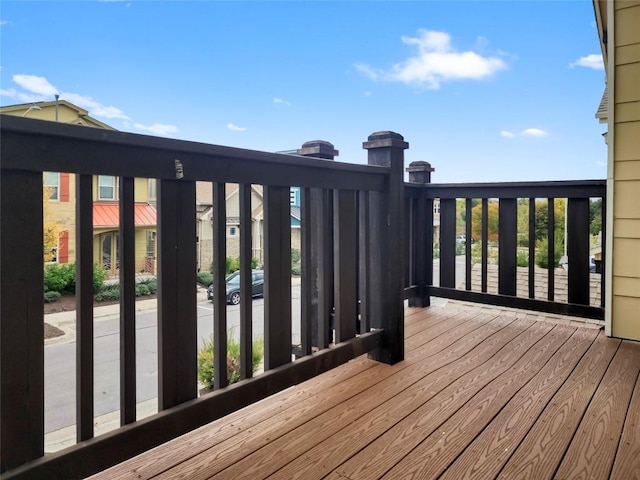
[(355, 264), (503, 243)]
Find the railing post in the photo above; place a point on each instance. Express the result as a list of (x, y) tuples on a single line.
[(386, 260), (21, 314), (317, 240), (177, 315), (420, 173)]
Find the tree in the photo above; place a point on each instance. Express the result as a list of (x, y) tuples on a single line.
[(542, 219), (595, 216), (461, 213), (492, 221), (50, 228)]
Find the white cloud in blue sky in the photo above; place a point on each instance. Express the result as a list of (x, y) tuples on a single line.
[(157, 129), (593, 61), (281, 101), (235, 128), (437, 61), (534, 132), (528, 132), (39, 89)]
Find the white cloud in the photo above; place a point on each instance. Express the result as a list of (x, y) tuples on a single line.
[(39, 89), (281, 101), (35, 84), (593, 61), (506, 134), (157, 128), (235, 128), (20, 96), (534, 132), (435, 62), (3, 22), (368, 93), (94, 107)]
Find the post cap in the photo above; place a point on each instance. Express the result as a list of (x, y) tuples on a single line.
[(385, 139), (318, 149), (420, 166)]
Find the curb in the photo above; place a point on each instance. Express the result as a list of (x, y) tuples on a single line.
[(66, 321)]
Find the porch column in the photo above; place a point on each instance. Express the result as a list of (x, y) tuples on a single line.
[(386, 245), (317, 252), (422, 238)]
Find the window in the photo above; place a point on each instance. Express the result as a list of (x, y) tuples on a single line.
[(151, 244), (51, 181), (152, 197), (233, 231), (106, 187)]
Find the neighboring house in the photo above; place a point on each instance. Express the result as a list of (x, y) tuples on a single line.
[(617, 23), (105, 197), (204, 223)]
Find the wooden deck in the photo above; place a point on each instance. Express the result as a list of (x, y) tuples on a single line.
[(478, 396)]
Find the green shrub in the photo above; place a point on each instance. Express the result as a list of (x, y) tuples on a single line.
[(295, 256), (204, 278), (206, 356), (296, 269), (60, 277), (522, 260), (142, 290), (109, 293), (51, 296), (541, 252), (233, 264), (254, 263), (99, 274), (151, 284)]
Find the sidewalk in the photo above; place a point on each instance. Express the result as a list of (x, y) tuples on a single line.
[(66, 321)]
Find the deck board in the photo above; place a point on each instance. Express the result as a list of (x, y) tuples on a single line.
[(479, 395), (593, 448)]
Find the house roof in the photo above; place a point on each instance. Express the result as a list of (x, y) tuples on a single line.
[(108, 215), (603, 109), (83, 115)]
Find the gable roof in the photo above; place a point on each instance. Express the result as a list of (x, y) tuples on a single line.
[(83, 115)]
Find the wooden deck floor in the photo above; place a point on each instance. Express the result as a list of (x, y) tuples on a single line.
[(478, 396)]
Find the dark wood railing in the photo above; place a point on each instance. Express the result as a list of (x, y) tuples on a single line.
[(420, 198), (357, 268)]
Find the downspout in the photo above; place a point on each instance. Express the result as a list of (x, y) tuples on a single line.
[(611, 70)]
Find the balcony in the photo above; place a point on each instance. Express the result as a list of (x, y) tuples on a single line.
[(444, 391)]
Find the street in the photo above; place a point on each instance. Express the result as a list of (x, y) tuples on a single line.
[(60, 359)]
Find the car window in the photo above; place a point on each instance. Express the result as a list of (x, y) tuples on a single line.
[(233, 279)]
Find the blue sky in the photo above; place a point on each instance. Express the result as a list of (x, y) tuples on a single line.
[(484, 90)]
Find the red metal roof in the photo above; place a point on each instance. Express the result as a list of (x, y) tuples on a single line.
[(107, 215)]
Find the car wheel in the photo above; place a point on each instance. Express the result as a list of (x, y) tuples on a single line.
[(234, 298)]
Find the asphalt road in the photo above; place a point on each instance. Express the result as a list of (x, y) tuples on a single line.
[(60, 359)]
